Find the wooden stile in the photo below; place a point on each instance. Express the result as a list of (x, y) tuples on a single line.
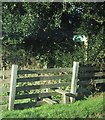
[(12, 87), (64, 95), (74, 80), (81, 76)]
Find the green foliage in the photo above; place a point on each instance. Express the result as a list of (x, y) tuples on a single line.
[(90, 108), (43, 31)]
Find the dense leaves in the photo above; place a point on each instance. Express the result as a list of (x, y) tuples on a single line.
[(43, 32)]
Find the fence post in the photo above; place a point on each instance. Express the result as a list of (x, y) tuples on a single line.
[(12, 86), (3, 70), (74, 79), (65, 99)]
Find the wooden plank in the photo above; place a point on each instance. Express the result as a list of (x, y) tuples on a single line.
[(83, 90), (89, 69), (65, 96), (43, 71), (42, 86), (41, 95), (74, 80), (65, 99), (61, 91), (98, 81), (13, 87), (49, 101), (65, 92), (91, 75), (28, 105), (31, 79), (85, 82)]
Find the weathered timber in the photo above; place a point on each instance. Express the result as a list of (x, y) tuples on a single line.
[(61, 91), (23, 88), (40, 78), (13, 87), (65, 98), (91, 75), (74, 80), (87, 82), (83, 90), (49, 101), (90, 69), (28, 105), (41, 95), (84, 82), (98, 81), (45, 71)]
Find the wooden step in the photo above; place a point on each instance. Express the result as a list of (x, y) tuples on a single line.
[(63, 92), (48, 100)]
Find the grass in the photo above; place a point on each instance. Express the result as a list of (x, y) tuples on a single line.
[(89, 108)]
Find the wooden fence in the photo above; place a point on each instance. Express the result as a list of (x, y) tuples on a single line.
[(4, 88), (30, 88), (90, 80), (39, 85)]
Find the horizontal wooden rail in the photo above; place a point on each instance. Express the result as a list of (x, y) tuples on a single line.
[(91, 75), (42, 78), (43, 71), (90, 69), (41, 95), (84, 82), (23, 88), (83, 90), (99, 81), (63, 92), (26, 105), (50, 101), (87, 82)]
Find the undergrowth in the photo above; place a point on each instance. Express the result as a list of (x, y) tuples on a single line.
[(89, 108)]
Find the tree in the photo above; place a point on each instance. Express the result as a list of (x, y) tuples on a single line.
[(45, 31)]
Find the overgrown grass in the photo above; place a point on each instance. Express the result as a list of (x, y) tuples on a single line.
[(89, 108)]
